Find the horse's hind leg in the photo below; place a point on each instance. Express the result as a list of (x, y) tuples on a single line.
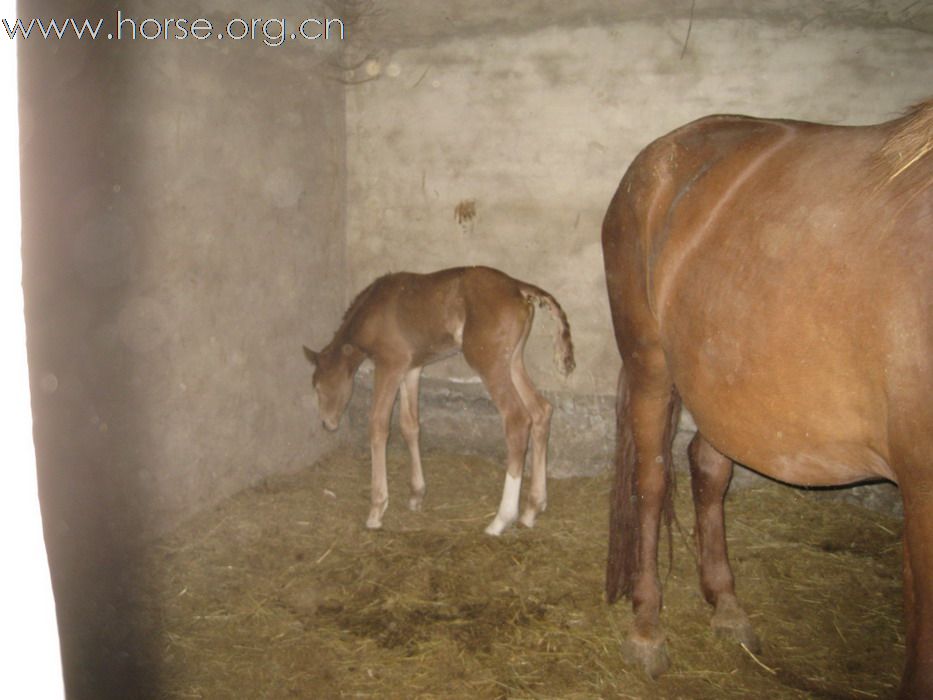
[(648, 415), (917, 681), (540, 411), (408, 418), (517, 426), (911, 453), (710, 473), (486, 351)]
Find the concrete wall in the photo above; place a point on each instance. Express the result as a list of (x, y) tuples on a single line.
[(183, 235), (538, 126)]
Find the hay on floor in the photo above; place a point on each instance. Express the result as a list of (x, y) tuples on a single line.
[(282, 593)]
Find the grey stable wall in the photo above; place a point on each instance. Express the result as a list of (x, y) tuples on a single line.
[(183, 214), (534, 114)]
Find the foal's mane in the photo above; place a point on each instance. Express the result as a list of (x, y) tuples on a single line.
[(910, 142), (358, 303)]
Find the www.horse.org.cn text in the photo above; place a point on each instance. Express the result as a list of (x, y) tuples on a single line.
[(270, 31)]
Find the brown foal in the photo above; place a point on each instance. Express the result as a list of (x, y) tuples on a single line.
[(777, 277), (404, 321)]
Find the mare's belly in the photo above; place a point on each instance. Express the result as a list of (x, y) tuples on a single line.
[(818, 454)]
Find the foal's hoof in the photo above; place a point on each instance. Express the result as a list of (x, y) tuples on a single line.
[(414, 503), (650, 654), (497, 526), (528, 518), (374, 521), (531, 514)]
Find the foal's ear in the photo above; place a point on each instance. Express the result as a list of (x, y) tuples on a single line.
[(311, 355)]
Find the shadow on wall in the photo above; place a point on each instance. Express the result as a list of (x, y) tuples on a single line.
[(79, 253)]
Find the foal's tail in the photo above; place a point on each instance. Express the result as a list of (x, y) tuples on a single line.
[(563, 343)]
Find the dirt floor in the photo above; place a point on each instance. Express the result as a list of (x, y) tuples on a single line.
[(282, 593)]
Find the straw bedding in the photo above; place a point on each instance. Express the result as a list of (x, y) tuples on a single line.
[(282, 593)]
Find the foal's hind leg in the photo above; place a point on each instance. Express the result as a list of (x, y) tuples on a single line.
[(517, 425), (490, 356), (540, 411), (408, 418), (710, 473)]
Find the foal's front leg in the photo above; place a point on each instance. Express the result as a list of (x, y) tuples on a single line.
[(408, 418), (385, 387)]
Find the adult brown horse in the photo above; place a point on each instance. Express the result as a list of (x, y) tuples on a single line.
[(777, 278)]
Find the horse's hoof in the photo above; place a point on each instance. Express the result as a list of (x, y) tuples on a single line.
[(374, 521), (528, 518), (650, 654), (497, 527), (740, 631), (730, 620), (415, 498)]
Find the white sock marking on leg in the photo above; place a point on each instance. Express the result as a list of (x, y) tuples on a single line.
[(508, 508)]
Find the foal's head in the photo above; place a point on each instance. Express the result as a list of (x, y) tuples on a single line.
[(334, 367)]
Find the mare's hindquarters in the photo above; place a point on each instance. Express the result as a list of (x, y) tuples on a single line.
[(646, 407)]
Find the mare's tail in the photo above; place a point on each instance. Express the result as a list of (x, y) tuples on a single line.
[(623, 562)]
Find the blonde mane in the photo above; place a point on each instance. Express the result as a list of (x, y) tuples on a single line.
[(911, 141)]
